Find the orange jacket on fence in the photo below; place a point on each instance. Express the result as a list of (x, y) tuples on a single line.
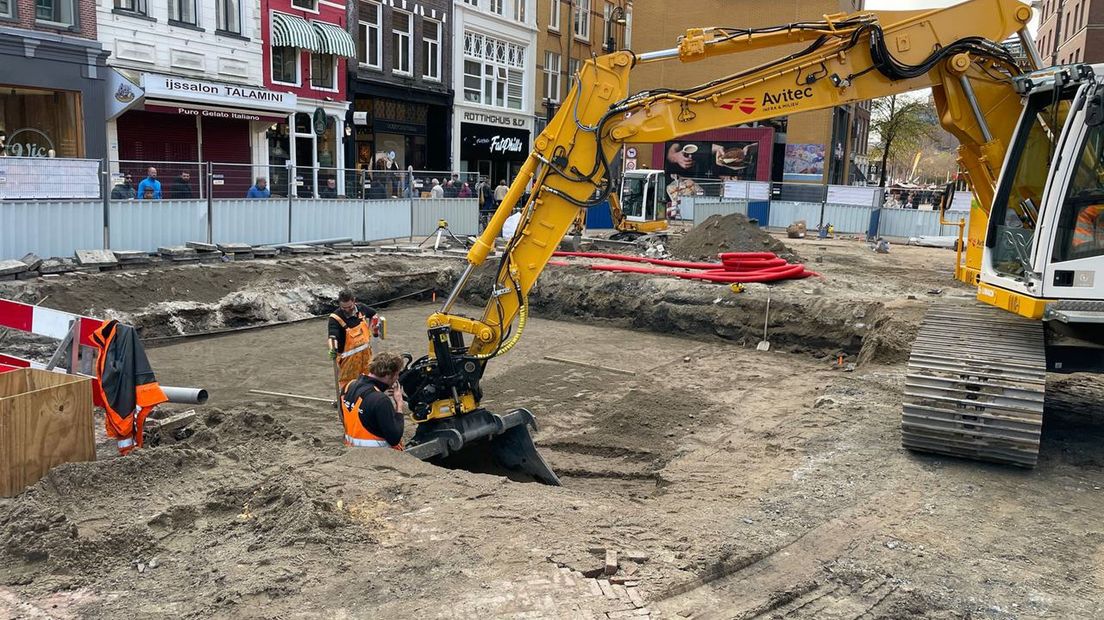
[(127, 385)]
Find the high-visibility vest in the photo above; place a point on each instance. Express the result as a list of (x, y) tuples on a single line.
[(1085, 229), (126, 427), (353, 360), (356, 435)]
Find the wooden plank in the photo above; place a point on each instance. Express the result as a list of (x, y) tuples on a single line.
[(295, 396), (46, 423), (564, 360)]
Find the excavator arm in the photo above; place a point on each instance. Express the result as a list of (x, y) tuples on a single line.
[(845, 58)]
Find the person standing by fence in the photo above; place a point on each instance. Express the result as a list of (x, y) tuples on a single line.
[(259, 189), (150, 183), (124, 190), (182, 186), (500, 193)]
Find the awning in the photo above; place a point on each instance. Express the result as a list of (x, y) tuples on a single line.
[(334, 40), (291, 31)]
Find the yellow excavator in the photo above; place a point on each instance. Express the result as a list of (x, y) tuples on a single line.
[(1031, 144)]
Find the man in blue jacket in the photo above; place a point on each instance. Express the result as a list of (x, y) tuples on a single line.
[(259, 189), (150, 182)]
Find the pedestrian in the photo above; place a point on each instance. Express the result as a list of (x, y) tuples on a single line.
[(330, 191), (465, 191), (151, 183), (182, 186), (350, 331), (124, 190), (371, 411), (452, 190), (259, 189), (500, 193), (436, 191)]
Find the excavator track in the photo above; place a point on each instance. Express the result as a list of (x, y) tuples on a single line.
[(975, 385)]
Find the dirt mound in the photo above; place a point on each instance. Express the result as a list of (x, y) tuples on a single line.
[(728, 233)]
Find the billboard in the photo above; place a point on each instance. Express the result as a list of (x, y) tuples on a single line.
[(712, 159), (804, 162)]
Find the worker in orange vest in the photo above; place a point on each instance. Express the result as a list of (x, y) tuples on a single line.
[(350, 331), (368, 405), (1088, 231)]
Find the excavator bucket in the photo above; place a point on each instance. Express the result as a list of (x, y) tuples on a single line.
[(484, 442)]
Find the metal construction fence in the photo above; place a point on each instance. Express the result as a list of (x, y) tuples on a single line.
[(95, 204)]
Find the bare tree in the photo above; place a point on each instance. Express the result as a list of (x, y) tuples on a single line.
[(902, 124)]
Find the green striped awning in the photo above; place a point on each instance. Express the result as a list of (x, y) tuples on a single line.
[(334, 40), (291, 31)]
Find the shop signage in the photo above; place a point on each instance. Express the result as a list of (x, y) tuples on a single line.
[(495, 119), (218, 179), (483, 142), (122, 94), (28, 142), (241, 115), (169, 87), (319, 121), (383, 126)]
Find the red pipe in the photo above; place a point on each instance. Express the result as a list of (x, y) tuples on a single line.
[(741, 267)]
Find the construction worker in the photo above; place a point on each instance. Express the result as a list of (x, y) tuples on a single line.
[(351, 329), (368, 405), (1088, 231)]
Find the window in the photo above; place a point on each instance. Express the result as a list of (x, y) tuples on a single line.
[(308, 5), (401, 49), (581, 19), (55, 11), (519, 10), (6, 8), (1081, 221), (474, 3), (493, 72), (368, 43), (285, 65), (552, 76), (39, 121), (322, 71), (138, 7), (554, 16), (229, 16), (431, 49), (183, 11), (496, 6)]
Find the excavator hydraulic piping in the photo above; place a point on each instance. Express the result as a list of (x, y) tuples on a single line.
[(968, 90), (1029, 46)]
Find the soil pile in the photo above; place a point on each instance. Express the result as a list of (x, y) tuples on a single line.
[(728, 233)]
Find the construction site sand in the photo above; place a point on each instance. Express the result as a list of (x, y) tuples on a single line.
[(744, 484), (728, 233)]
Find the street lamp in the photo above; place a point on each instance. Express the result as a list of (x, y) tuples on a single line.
[(616, 16)]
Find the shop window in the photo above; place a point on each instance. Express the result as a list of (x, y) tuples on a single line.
[(552, 77), (55, 12), (431, 49), (554, 16), (368, 43), (309, 5), (182, 11), (327, 146), (285, 65), (322, 71), (229, 16), (401, 42), (138, 7), (581, 19), (40, 123)]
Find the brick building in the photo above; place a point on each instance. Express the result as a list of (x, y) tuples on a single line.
[(400, 83), (810, 147), (1071, 31), (53, 79)]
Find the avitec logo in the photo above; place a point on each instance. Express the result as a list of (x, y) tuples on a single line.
[(746, 105)]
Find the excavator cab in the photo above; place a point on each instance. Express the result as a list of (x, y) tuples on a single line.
[(642, 205)]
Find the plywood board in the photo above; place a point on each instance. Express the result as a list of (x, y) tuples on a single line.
[(45, 420)]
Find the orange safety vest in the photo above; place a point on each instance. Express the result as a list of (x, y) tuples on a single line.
[(356, 435), (125, 427), (354, 360), (1085, 229)]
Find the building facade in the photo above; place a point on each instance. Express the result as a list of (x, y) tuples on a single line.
[(192, 72), (494, 80), (305, 49), (569, 32), (1071, 31), (53, 81), (810, 147), (400, 84)]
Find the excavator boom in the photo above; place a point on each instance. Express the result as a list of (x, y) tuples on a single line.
[(847, 58)]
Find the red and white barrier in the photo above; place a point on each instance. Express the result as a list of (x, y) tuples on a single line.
[(46, 322)]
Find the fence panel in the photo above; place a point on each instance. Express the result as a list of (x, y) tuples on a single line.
[(846, 218), (387, 219), (910, 223), (149, 224), (50, 228), (313, 220), (704, 208), (462, 215), (783, 213), (254, 221)]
